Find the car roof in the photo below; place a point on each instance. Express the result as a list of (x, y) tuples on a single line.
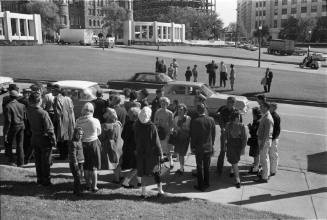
[(5, 79), (184, 83), (75, 84)]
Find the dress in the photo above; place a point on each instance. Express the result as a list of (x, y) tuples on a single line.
[(236, 141), (182, 128), (164, 118), (253, 140), (129, 147), (112, 145)]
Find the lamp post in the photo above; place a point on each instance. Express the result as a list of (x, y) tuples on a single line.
[(259, 59), (309, 43)]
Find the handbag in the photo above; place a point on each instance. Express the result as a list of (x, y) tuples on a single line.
[(164, 169), (172, 138)]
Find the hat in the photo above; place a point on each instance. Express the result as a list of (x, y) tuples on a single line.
[(13, 93), (145, 115), (13, 87), (110, 114), (27, 90)]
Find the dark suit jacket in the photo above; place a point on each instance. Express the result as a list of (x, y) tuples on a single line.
[(203, 133)]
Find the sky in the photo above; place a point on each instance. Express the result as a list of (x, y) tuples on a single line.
[(227, 10)]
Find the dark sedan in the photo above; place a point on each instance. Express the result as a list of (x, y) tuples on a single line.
[(142, 80)]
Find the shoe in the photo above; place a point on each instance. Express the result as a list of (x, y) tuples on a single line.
[(231, 174), (94, 190), (273, 174), (127, 187), (238, 185), (198, 188), (260, 180)]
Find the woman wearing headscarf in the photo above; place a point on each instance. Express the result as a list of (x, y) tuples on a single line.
[(91, 145), (112, 143), (148, 149), (163, 119)]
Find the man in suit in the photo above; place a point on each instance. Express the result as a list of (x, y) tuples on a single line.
[(202, 132), (211, 70)]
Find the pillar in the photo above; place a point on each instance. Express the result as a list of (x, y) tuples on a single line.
[(128, 32), (37, 28), (161, 31), (7, 26), (27, 33), (155, 31), (147, 32), (183, 33), (172, 33), (18, 27)]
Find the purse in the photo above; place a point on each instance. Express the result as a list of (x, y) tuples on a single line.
[(172, 138)]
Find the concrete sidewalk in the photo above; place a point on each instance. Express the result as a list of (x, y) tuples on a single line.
[(292, 192)]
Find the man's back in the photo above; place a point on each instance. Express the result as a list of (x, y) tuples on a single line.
[(15, 113), (40, 122), (202, 133)]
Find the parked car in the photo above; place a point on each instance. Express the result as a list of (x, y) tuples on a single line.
[(141, 80), (185, 92), (299, 52), (80, 92), (319, 56), (4, 84), (252, 47)]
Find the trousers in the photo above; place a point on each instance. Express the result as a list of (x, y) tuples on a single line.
[(222, 154), (212, 79), (202, 167), (273, 156), (42, 150), (17, 134), (76, 171), (264, 158)]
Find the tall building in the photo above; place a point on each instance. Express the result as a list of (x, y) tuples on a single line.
[(274, 13)]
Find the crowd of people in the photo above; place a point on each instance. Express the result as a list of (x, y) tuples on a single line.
[(137, 136)]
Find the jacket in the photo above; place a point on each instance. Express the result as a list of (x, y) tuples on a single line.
[(15, 116), (202, 133), (75, 152), (266, 126), (276, 129)]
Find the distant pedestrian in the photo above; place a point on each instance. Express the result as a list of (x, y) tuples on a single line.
[(143, 98), (269, 77), (163, 67), (157, 66), (14, 127), (148, 150), (76, 159), (99, 106), (188, 74), (211, 70), (232, 76), (195, 73), (171, 71), (175, 66), (273, 152), (236, 141), (42, 140), (265, 132), (155, 105), (202, 133), (223, 74), (253, 140)]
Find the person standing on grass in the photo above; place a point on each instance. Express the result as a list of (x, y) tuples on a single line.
[(175, 66), (129, 148), (182, 136), (157, 66), (163, 67), (195, 73), (269, 77), (91, 145), (99, 106), (188, 74), (148, 150), (202, 133), (76, 159), (236, 141), (223, 74), (211, 70), (232, 76), (265, 132), (43, 138), (273, 152), (171, 71), (14, 127)]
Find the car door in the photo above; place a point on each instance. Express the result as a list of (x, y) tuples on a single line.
[(191, 92), (176, 92), (148, 81)]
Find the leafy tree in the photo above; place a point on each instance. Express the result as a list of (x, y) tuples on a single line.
[(304, 26), (114, 18), (290, 29), (319, 33), (264, 33), (49, 15)]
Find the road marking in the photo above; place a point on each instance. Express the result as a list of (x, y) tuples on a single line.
[(307, 133), (301, 115)]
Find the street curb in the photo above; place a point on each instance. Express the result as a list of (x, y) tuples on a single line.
[(252, 98), (214, 55)]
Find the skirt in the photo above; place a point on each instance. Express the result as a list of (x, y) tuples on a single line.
[(182, 143), (92, 155), (234, 149), (166, 147)]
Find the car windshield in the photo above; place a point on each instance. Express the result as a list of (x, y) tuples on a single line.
[(207, 90), (93, 89), (164, 77)]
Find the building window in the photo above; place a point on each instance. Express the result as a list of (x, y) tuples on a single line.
[(293, 10), (283, 21), (90, 11), (324, 7), (303, 9), (264, 4), (263, 13), (260, 13), (257, 4), (284, 2), (284, 11), (94, 23), (314, 0), (276, 11), (260, 3), (90, 23), (98, 23), (303, 1), (256, 13), (256, 24), (294, 2), (314, 8), (276, 2), (275, 23)]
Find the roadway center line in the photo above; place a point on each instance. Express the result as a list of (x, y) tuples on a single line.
[(307, 133)]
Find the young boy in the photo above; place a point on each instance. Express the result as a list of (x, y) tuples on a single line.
[(188, 74), (195, 73), (76, 159)]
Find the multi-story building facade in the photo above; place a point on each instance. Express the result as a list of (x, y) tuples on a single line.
[(273, 13)]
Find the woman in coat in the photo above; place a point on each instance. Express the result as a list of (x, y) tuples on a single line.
[(112, 143), (253, 140), (148, 149), (91, 145)]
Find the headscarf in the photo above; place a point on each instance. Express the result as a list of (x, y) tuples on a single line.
[(88, 109), (145, 115)]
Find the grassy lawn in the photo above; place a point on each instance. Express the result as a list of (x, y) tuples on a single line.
[(22, 199), (69, 62)]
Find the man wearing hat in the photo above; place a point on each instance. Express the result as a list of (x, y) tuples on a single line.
[(99, 106), (14, 126)]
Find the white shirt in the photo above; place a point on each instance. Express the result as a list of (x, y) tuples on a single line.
[(91, 127)]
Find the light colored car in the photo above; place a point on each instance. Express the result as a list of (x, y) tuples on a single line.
[(80, 92), (4, 83), (185, 92)]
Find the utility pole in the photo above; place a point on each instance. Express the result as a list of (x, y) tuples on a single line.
[(259, 59)]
